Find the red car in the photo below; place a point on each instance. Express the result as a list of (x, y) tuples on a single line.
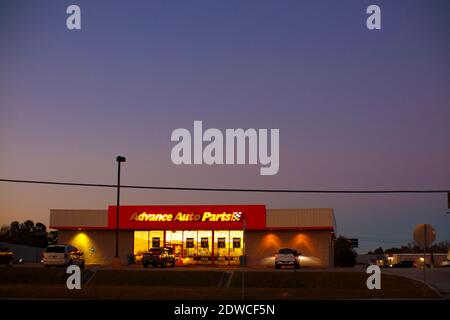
[(158, 257)]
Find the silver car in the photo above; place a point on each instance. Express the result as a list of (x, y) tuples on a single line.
[(63, 255)]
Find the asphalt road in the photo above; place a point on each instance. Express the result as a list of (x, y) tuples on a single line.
[(438, 278)]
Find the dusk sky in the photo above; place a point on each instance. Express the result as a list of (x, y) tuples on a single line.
[(356, 109)]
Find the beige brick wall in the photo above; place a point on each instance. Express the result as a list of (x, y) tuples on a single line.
[(98, 245), (315, 246), (78, 218), (302, 217)]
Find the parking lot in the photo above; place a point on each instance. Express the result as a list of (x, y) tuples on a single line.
[(32, 281)]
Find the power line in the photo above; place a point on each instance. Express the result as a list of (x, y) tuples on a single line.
[(229, 189), (390, 239), (385, 241)]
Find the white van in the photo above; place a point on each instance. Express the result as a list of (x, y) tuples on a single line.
[(63, 255)]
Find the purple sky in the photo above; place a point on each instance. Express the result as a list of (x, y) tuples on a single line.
[(356, 109)]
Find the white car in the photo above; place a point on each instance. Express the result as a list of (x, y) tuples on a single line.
[(63, 255), (287, 257)]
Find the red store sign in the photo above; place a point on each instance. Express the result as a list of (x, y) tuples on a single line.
[(189, 217)]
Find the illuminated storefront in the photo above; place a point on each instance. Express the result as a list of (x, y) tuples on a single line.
[(201, 234), (197, 234)]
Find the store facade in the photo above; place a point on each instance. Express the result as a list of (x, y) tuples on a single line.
[(199, 234)]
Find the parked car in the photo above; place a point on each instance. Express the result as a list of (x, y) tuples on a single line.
[(158, 257), (62, 255), (6, 257), (287, 257), (404, 264), (445, 264)]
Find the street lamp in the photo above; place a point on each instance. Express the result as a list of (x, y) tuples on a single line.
[(116, 261)]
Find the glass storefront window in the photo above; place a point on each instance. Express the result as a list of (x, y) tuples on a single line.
[(174, 240), (236, 245), (221, 243), (204, 250), (144, 240), (221, 247), (204, 243), (192, 246), (140, 242), (155, 237), (156, 242), (190, 243)]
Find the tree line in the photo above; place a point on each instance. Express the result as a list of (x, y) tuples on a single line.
[(439, 247), (28, 233)]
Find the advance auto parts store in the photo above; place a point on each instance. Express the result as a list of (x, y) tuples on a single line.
[(200, 234)]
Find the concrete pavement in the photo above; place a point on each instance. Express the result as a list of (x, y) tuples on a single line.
[(437, 278)]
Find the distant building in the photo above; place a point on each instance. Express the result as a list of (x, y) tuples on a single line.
[(431, 259), (389, 259), (365, 259)]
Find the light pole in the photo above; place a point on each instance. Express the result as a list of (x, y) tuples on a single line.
[(425, 253), (244, 258), (119, 160)]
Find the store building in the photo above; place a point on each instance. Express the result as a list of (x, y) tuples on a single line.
[(200, 234)]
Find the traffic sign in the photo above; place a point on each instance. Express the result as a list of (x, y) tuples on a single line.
[(424, 235)]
